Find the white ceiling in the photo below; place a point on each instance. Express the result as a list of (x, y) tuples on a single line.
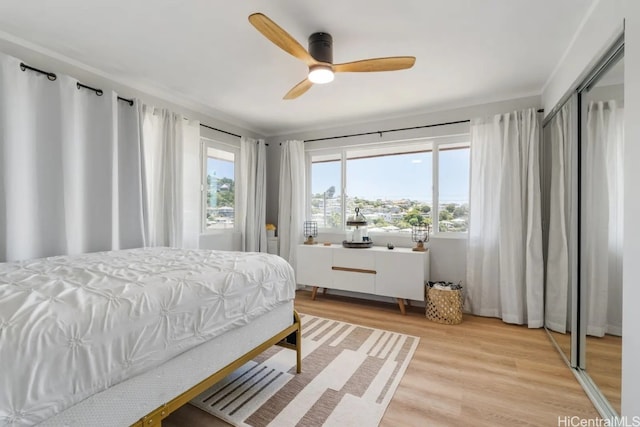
[(205, 53)]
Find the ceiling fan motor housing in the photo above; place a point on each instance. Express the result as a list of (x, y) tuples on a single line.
[(321, 47)]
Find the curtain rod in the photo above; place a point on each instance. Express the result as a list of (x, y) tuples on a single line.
[(53, 77), (224, 131), (380, 132), (220, 130), (99, 92), (50, 76)]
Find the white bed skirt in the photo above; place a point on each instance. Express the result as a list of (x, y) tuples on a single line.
[(127, 402)]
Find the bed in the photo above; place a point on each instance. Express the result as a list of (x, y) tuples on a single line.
[(126, 337)]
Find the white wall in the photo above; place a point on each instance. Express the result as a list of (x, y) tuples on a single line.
[(631, 274), (599, 31)]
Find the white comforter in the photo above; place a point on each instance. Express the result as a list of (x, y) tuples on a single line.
[(71, 326)]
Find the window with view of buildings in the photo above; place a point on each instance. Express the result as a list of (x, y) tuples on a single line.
[(396, 186), (219, 186), (326, 194), (453, 189)]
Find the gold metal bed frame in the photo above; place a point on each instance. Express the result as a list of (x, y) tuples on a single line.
[(155, 417)]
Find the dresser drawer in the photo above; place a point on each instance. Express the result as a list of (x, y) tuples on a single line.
[(353, 281), (401, 274), (362, 259), (314, 265)]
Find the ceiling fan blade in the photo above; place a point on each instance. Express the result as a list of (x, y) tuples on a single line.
[(391, 63), (280, 37), (299, 89)]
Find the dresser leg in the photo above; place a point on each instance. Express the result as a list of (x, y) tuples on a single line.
[(314, 291), (401, 305)]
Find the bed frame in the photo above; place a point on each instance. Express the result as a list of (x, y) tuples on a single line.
[(155, 417)]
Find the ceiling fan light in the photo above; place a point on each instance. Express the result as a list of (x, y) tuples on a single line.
[(320, 74)]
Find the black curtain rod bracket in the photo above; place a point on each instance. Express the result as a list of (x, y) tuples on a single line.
[(53, 77), (50, 76), (97, 91)]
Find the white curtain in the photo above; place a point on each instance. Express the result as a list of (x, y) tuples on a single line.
[(251, 202), (291, 210), (70, 178), (561, 213), (602, 207), (171, 185), (505, 268)]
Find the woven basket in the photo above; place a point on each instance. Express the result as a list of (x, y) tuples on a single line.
[(444, 306)]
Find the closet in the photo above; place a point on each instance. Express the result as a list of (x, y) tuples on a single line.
[(582, 200)]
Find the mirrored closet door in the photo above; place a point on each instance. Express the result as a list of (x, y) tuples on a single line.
[(602, 180), (560, 227), (582, 200)]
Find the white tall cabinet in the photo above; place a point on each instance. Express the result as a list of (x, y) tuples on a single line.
[(398, 273)]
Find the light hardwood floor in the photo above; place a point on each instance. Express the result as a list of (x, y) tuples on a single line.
[(481, 372)]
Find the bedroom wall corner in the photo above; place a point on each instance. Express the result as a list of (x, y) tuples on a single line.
[(602, 25)]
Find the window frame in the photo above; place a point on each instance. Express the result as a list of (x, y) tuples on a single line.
[(436, 187), (432, 144), (206, 143)]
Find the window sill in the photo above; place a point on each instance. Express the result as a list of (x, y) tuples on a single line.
[(455, 236), (374, 236), (218, 231)]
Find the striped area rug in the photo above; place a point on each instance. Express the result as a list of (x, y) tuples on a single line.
[(349, 375)]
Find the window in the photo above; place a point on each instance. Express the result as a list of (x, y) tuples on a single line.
[(392, 189), (396, 185), (219, 186), (326, 191), (453, 185)]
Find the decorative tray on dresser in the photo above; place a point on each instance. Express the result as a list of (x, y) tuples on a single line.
[(357, 245)]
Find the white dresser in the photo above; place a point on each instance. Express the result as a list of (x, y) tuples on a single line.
[(398, 273), (272, 245)]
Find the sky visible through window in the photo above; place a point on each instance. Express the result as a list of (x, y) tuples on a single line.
[(407, 176), (220, 168), (397, 177)]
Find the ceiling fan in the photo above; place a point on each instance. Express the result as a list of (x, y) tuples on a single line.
[(319, 57)]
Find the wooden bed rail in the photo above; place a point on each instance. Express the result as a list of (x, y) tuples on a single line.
[(155, 417)]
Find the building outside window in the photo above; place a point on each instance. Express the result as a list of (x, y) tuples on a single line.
[(396, 186), (219, 192), (326, 192), (453, 189)]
